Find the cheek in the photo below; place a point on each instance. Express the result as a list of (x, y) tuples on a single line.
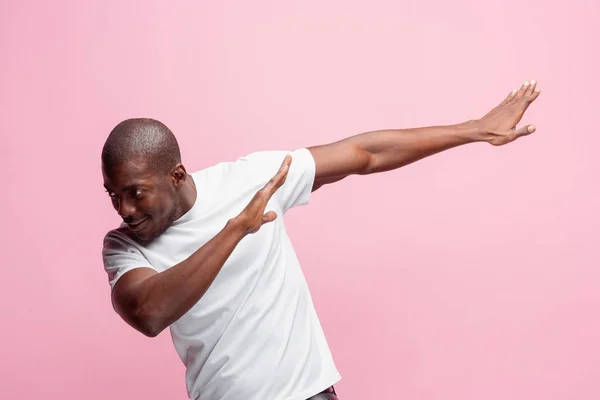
[(164, 207), (160, 205)]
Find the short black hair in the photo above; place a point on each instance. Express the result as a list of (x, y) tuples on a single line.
[(142, 138)]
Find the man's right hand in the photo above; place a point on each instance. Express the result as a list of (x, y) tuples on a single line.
[(254, 216)]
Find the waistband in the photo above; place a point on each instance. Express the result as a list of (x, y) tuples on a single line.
[(327, 394)]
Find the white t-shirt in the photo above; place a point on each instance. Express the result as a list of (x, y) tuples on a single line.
[(255, 332)]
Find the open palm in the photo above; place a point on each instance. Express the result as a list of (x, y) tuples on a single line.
[(500, 124)]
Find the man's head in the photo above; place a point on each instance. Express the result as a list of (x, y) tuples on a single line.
[(141, 166)]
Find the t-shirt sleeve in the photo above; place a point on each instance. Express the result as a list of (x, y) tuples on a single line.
[(120, 255), (298, 185)]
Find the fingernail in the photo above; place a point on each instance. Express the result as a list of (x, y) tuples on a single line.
[(526, 83), (514, 91), (533, 82), (531, 128)]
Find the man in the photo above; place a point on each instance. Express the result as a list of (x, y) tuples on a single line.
[(206, 255)]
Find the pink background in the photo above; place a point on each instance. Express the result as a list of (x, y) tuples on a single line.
[(471, 275)]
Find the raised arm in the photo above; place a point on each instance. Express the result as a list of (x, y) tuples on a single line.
[(385, 150), (150, 301)]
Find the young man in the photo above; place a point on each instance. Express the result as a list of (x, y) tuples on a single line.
[(206, 255)]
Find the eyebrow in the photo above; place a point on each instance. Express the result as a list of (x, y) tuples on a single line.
[(130, 187)]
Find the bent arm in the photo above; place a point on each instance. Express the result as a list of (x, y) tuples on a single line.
[(150, 301)]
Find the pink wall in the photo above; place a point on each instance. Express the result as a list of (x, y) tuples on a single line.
[(471, 275)]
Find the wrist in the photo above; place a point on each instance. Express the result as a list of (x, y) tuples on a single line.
[(237, 226), (473, 131)]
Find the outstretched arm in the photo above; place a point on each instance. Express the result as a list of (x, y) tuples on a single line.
[(385, 150)]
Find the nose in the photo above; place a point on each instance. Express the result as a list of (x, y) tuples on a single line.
[(125, 209)]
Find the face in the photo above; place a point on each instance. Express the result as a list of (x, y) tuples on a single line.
[(148, 202)]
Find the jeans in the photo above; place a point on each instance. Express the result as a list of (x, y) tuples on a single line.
[(327, 394)]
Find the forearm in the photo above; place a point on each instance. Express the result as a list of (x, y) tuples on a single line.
[(165, 297), (385, 150), (391, 149)]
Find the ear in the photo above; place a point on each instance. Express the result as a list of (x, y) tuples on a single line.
[(178, 175)]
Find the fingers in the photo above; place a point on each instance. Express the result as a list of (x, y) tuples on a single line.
[(522, 91), (278, 180), (253, 215), (534, 95), (527, 93), (283, 170), (285, 165), (531, 88), (509, 97)]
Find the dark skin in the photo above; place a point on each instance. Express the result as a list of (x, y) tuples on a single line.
[(146, 200), (150, 202)]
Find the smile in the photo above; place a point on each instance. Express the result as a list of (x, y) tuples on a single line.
[(137, 225)]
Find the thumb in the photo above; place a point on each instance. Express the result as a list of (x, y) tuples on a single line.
[(526, 130), (269, 217)]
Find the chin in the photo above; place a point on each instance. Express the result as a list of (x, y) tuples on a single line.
[(147, 237), (144, 238)]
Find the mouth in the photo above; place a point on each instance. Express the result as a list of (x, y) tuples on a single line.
[(138, 225)]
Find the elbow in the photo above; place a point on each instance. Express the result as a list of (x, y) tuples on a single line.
[(149, 324), (146, 321), (142, 315), (150, 330), (366, 161)]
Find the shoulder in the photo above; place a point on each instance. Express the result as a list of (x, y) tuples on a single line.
[(270, 161), (245, 169), (265, 158), (120, 238), (275, 155)]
